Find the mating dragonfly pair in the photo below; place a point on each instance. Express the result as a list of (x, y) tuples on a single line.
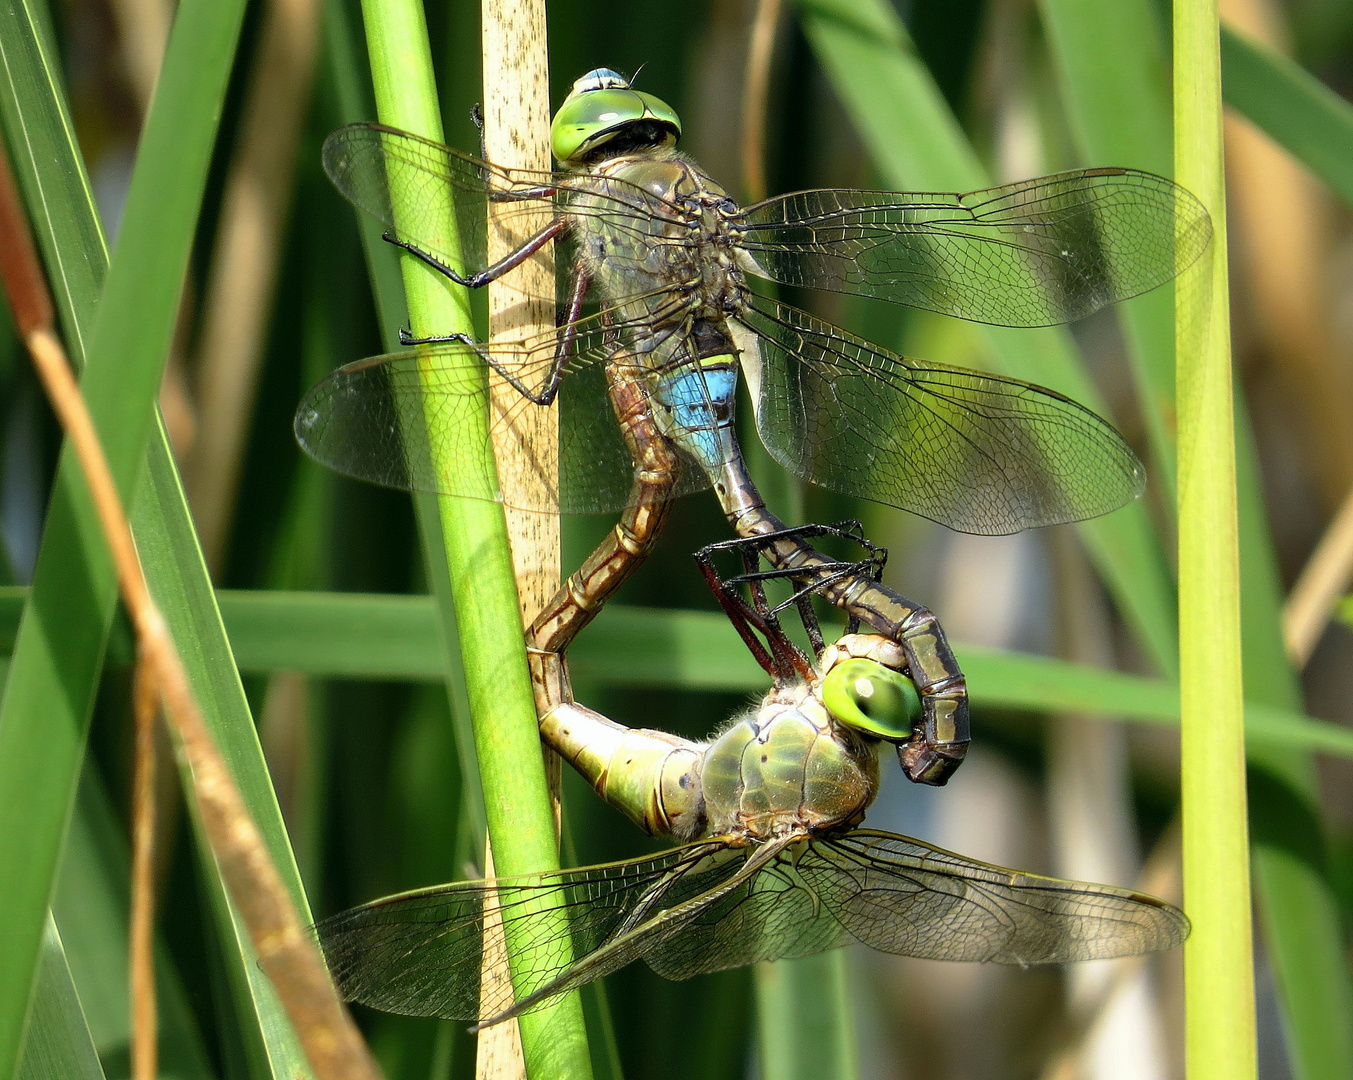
[(656, 322)]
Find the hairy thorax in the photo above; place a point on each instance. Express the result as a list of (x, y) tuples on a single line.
[(786, 769), (682, 248)]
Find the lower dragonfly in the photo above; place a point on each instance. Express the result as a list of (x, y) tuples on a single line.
[(649, 240), (772, 862)]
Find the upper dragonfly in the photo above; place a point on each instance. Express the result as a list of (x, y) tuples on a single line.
[(656, 318), (653, 264)]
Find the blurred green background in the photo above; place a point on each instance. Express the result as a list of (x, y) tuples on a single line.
[(369, 771)]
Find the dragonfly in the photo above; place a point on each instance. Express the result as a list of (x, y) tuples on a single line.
[(657, 320), (772, 860)]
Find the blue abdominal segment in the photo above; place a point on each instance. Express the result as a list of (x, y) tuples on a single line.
[(697, 405)]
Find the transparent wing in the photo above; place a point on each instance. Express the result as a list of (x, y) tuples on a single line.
[(704, 908), (420, 953), (362, 160), (902, 896), (1035, 253), (393, 420), (976, 452)]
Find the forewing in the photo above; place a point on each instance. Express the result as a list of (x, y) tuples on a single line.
[(976, 452), (362, 160), (1033, 253), (394, 419), (902, 896), (420, 953)]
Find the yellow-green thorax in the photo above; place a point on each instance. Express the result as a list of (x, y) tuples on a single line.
[(787, 769), (794, 766)]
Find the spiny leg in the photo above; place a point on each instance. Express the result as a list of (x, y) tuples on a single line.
[(566, 334), (784, 659), (510, 261), (823, 574), (763, 615), (940, 739)]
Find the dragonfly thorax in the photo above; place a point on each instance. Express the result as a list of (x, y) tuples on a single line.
[(685, 249), (787, 769)]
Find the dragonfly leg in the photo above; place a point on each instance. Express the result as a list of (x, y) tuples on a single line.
[(567, 332), (940, 740), (805, 585), (406, 338), (481, 278), (783, 659)]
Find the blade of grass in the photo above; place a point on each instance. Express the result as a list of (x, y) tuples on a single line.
[(90, 907), (49, 692), (58, 194), (1294, 108), (1111, 70), (1116, 91), (355, 102), (58, 1042), (1219, 1024), (479, 562), (182, 589), (366, 636), (916, 144), (46, 162), (805, 1018), (287, 953)]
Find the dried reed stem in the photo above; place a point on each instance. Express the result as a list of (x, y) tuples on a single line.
[(243, 275), (756, 91), (517, 135), (1323, 580), (145, 1025)]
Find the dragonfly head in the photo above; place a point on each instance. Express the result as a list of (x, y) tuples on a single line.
[(603, 115), (872, 699)]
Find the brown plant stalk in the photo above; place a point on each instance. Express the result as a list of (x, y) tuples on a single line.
[(1316, 592), (516, 134), (287, 954), (145, 1023), (245, 263), (756, 91)]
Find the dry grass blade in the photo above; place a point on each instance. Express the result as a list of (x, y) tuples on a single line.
[(755, 92), (240, 287), (286, 951), (1281, 227), (1112, 1011), (1159, 877), (516, 134), (143, 26), (1323, 580), (146, 703)]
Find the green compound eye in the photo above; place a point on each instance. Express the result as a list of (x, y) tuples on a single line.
[(871, 698), (600, 105)]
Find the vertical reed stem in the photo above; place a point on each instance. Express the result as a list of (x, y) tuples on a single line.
[(479, 562), (1218, 965), (517, 135)]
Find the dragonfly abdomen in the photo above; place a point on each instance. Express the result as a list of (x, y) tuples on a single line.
[(694, 406), (652, 777)]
